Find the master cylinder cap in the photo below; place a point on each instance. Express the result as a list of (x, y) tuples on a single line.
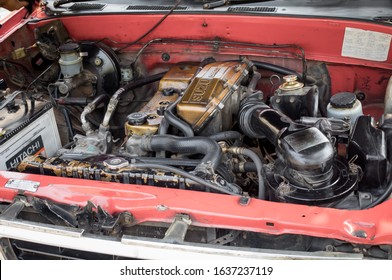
[(69, 47)]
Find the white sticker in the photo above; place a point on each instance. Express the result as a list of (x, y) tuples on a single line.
[(23, 185), (366, 44)]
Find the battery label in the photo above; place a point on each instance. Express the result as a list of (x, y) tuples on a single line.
[(35, 147)]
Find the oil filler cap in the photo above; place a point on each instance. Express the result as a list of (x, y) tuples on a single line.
[(137, 118), (343, 100)]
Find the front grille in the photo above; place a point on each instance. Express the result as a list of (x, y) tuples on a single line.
[(252, 9), (34, 251), (154, 8), (86, 6)]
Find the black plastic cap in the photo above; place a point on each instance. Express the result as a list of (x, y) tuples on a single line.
[(69, 48), (137, 118), (343, 100)]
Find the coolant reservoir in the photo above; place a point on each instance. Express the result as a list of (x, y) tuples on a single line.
[(344, 106)]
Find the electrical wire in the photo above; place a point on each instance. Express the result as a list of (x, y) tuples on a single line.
[(17, 64), (299, 54), (39, 76), (152, 28)]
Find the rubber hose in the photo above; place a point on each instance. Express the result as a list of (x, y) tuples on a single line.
[(163, 127), (89, 109), (166, 161), (185, 145), (130, 86), (260, 170), (280, 70), (246, 167), (175, 121), (192, 177), (259, 165), (221, 170), (226, 135), (144, 81)]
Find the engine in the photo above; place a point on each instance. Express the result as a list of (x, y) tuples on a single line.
[(203, 125)]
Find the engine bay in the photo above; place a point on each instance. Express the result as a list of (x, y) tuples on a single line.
[(242, 124)]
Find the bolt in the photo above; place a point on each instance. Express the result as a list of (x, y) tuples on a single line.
[(244, 200), (98, 61), (165, 57), (222, 182), (361, 96), (127, 218), (329, 248), (95, 227), (168, 91), (161, 110)]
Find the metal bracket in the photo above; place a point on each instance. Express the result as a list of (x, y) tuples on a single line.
[(178, 229), (231, 236), (13, 210)]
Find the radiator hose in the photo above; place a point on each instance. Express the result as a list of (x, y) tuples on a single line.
[(182, 145)]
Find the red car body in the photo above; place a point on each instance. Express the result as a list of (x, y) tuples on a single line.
[(320, 38)]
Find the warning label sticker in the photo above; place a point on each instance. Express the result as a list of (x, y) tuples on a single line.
[(364, 44)]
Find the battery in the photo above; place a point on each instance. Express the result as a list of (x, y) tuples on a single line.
[(23, 134)]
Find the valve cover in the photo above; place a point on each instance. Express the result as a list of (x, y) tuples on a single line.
[(214, 93)]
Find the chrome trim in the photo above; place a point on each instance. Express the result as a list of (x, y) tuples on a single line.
[(142, 248), (37, 227)]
